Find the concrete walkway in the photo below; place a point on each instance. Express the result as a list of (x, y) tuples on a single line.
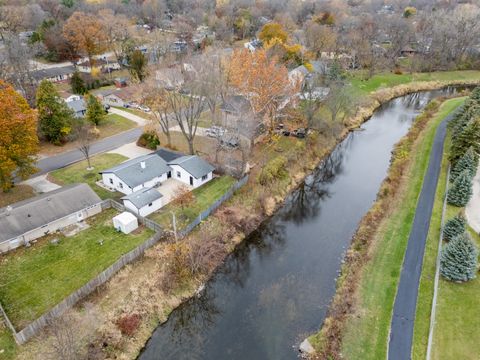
[(472, 210), (139, 120), (403, 319)]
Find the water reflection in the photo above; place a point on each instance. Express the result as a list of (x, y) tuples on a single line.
[(277, 285)]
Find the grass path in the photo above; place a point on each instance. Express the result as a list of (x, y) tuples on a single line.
[(366, 334)]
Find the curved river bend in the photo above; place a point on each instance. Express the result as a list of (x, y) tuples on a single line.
[(275, 288)]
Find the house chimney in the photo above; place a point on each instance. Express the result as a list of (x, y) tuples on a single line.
[(142, 164)]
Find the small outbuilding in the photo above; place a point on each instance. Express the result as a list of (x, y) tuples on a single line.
[(143, 202), (125, 222)]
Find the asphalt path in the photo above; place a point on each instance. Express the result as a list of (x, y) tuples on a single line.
[(401, 329), (59, 161)]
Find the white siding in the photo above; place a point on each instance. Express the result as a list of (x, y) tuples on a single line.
[(113, 100), (185, 176), (146, 210), (120, 186)]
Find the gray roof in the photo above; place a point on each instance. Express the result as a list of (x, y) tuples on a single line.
[(30, 214), (77, 105), (143, 197), (168, 155), (194, 165), (132, 173), (52, 72), (236, 104)]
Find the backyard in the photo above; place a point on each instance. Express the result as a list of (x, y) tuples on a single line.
[(78, 173), (204, 196), (33, 280)]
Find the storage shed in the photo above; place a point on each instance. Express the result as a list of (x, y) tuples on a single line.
[(125, 222)]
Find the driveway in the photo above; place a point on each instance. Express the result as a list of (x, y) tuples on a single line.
[(139, 120), (472, 210), (403, 319), (131, 150), (41, 184)]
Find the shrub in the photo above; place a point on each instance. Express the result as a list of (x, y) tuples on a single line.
[(454, 227), (398, 71), (461, 191), (275, 169), (128, 324), (149, 140), (458, 261)]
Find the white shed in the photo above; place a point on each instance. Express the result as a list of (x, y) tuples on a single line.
[(125, 222)]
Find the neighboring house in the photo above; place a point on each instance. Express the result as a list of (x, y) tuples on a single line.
[(55, 74), (119, 97), (191, 170), (408, 51), (298, 75), (170, 78), (136, 174), (120, 82), (78, 106), (143, 202), (234, 108), (302, 74), (104, 65), (178, 46), (45, 214)]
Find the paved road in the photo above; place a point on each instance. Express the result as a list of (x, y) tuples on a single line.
[(401, 330), (69, 157)]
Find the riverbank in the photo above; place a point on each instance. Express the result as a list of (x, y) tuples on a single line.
[(136, 289), (358, 321)]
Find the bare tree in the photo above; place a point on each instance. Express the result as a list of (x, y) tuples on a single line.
[(65, 344), (338, 102), (86, 135), (155, 97)]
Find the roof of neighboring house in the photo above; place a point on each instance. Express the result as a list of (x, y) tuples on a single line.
[(236, 104), (143, 197), (132, 173), (300, 69), (194, 165), (52, 72), (168, 155), (77, 105), (319, 66), (27, 215), (129, 93)]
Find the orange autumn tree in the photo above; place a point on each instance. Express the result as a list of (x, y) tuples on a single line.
[(263, 81), (18, 137), (86, 33)]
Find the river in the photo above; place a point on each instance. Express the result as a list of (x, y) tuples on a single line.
[(274, 290)]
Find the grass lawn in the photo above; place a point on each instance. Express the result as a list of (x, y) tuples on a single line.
[(18, 193), (114, 124), (202, 144), (8, 347), (204, 196), (385, 80), (366, 335), (137, 112), (78, 173), (33, 280)]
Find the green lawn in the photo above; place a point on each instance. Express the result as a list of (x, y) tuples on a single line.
[(33, 280), (204, 196), (366, 336), (78, 173), (386, 80), (7, 344), (114, 124), (137, 112)]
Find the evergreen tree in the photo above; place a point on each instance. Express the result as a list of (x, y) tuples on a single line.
[(470, 137), (468, 162), (54, 117), (454, 227), (476, 94), (137, 63), (458, 260), (77, 84), (461, 191), (95, 111)]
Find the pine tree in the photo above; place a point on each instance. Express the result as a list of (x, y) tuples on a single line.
[(77, 84), (95, 111), (468, 162), (470, 137), (54, 117), (458, 260), (475, 94), (461, 191), (454, 227)]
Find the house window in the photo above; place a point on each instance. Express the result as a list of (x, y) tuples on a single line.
[(121, 186), (150, 204), (111, 181), (178, 174), (204, 177)]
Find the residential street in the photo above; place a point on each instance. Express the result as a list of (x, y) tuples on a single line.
[(58, 161), (403, 320)]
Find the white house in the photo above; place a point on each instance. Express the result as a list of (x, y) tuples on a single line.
[(133, 175), (191, 170), (143, 202), (79, 107), (125, 222), (45, 214)]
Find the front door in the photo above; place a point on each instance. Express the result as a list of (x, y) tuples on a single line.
[(191, 180), (169, 175)]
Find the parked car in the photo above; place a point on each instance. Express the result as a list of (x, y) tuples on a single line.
[(229, 141), (215, 131), (299, 133), (144, 108)]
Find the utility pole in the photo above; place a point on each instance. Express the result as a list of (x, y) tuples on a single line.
[(174, 221)]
